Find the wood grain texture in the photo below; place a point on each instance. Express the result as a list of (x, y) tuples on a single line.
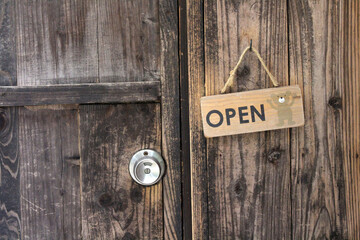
[(49, 174), (123, 92), (249, 174), (56, 44), (129, 50), (317, 173), (113, 205), (56, 40), (252, 111), (129, 40), (350, 46), (198, 161), (10, 226), (170, 118)]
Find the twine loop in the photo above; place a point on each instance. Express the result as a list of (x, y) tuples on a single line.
[(232, 76)]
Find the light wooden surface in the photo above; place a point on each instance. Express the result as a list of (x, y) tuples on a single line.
[(350, 109), (317, 166), (252, 111), (285, 184), (248, 176)]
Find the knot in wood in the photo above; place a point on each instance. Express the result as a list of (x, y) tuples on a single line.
[(274, 156), (3, 121), (136, 195), (244, 72), (335, 102), (105, 200)]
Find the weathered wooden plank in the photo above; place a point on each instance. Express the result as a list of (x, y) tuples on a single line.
[(56, 44), (10, 225), (129, 40), (249, 174), (49, 175), (196, 77), (317, 175), (129, 48), (57, 41), (170, 118), (123, 92), (113, 205), (350, 111)]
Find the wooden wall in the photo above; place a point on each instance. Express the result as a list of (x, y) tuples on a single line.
[(299, 183)]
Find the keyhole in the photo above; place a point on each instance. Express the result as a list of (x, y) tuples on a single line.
[(147, 170), (281, 99)]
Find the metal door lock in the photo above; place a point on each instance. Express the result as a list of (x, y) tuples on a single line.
[(146, 167)]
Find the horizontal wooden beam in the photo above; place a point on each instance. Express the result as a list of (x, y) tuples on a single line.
[(124, 92)]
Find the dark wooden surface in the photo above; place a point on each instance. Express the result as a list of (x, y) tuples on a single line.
[(184, 123), (104, 45), (198, 165), (170, 118), (124, 92), (56, 44), (113, 205), (10, 225)]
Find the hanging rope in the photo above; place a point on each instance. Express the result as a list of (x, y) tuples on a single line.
[(232, 76)]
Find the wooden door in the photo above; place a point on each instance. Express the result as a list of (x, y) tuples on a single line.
[(84, 84), (88, 83), (300, 183)]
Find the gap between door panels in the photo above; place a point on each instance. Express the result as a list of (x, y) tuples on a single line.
[(184, 122)]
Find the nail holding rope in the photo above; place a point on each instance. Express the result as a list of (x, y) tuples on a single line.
[(232, 76)]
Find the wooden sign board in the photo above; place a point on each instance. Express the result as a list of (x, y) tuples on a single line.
[(252, 111)]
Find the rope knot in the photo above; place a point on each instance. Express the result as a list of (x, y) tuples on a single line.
[(230, 80)]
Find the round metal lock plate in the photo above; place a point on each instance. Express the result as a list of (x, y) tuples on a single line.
[(146, 167)]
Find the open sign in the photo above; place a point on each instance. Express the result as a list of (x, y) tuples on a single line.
[(252, 111)]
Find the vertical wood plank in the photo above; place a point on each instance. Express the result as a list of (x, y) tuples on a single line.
[(113, 205), (129, 41), (49, 173), (350, 62), (184, 123), (196, 77), (317, 183), (10, 225), (129, 50), (170, 118), (248, 174), (56, 43)]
